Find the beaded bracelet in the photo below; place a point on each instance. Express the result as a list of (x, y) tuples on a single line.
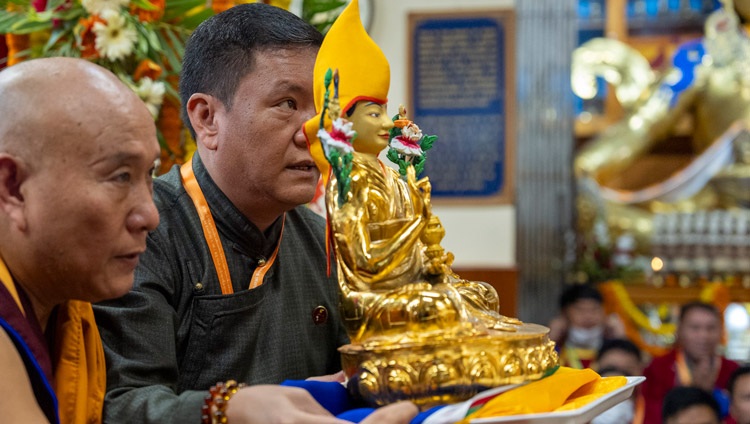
[(215, 407)]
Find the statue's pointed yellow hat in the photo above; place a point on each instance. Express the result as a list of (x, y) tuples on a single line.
[(364, 73)]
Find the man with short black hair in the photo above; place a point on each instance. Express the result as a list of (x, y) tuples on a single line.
[(233, 284), (690, 405), (619, 356), (582, 326)]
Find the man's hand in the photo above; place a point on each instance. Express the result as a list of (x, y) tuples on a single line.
[(704, 372), (397, 413), (269, 404), (339, 377)]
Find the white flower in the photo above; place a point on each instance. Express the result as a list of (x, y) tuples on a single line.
[(408, 142), (344, 127), (412, 132), (152, 93), (339, 138), (406, 146), (115, 39), (98, 7)]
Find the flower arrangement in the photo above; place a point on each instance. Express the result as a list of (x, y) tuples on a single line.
[(141, 41)]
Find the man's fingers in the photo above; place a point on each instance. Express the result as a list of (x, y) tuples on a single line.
[(339, 377), (397, 413), (303, 400)]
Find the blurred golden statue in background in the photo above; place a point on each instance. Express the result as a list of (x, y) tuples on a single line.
[(638, 176), (418, 331)]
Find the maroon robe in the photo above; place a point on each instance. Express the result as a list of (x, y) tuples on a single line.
[(661, 376), (26, 334)]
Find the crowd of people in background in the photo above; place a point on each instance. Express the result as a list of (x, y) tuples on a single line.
[(691, 383)]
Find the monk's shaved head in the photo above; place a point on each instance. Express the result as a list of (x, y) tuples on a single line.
[(48, 103)]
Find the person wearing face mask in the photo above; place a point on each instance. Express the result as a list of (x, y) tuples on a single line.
[(620, 357), (623, 412), (582, 326), (695, 361)]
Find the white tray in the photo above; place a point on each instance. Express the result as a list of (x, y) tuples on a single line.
[(576, 416)]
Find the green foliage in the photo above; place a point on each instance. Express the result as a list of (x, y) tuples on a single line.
[(342, 169), (25, 21), (10, 19), (333, 158), (392, 155), (143, 4), (427, 142), (322, 13), (344, 177), (395, 131), (186, 14), (5, 3), (418, 163), (327, 79)]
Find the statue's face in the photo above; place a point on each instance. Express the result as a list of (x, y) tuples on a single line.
[(370, 121)]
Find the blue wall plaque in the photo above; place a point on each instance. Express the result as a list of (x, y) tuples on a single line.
[(459, 92)]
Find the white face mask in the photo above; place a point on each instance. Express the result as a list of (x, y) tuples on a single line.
[(622, 413), (590, 338)]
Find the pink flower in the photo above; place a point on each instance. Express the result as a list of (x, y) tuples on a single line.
[(408, 142)]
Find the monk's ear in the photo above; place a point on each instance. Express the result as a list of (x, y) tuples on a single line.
[(204, 112), (11, 199)]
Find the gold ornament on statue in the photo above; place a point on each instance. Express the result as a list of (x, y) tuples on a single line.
[(418, 331)]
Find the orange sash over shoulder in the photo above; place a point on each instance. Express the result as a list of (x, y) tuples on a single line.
[(78, 361)]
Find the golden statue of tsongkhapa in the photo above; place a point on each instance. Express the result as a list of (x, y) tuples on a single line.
[(418, 331)]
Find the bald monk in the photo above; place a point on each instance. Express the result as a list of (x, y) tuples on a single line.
[(77, 149)]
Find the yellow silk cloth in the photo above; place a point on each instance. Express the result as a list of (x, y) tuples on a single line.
[(566, 389), (78, 361)]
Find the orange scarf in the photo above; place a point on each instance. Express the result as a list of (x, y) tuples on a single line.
[(80, 373), (566, 389), (78, 360), (212, 235), (685, 376)]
